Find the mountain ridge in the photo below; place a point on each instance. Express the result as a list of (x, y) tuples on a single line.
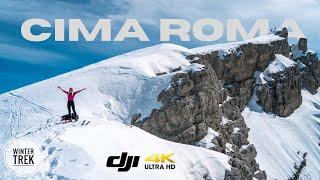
[(179, 94)]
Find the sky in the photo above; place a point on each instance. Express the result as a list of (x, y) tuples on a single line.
[(23, 62)]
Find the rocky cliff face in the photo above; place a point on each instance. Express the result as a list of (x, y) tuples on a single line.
[(235, 67), (190, 106), (278, 87), (309, 65), (210, 94)]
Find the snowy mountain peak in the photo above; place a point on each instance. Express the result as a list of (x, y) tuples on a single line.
[(204, 96)]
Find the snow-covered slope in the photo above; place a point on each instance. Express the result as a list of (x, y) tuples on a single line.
[(117, 88), (129, 84), (76, 151), (278, 140)]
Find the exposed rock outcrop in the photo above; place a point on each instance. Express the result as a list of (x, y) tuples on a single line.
[(211, 92), (280, 32), (236, 65), (243, 164), (190, 106), (299, 167), (241, 90), (278, 87), (240, 61), (309, 65), (303, 45), (279, 91)]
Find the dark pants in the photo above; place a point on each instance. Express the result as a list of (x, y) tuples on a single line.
[(71, 105)]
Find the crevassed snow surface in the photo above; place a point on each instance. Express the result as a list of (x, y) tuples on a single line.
[(278, 140), (117, 88)]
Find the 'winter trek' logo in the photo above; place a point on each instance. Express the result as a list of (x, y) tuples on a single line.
[(152, 162), (22, 157)]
